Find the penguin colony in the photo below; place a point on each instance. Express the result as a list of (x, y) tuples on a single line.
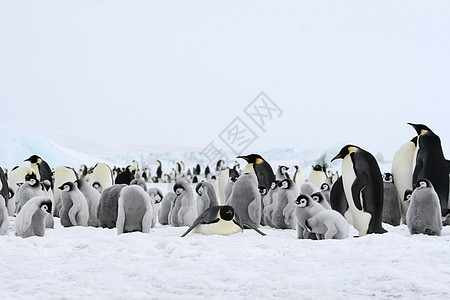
[(228, 200)]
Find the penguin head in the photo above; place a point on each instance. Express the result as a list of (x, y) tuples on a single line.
[(220, 165), (420, 128), (199, 188), (31, 179), (303, 200), (234, 175), (96, 185), (274, 184), (253, 158), (284, 184), (325, 186), (317, 168), (158, 197), (67, 187), (34, 159), (46, 206), (283, 169), (317, 197), (407, 195), (46, 185), (346, 150), (178, 188), (388, 177), (262, 190), (226, 213), (423, 183)]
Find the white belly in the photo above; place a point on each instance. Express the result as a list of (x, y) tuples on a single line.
[(221, 227), (360, 218)]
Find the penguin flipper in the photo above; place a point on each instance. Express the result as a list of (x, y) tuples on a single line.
[(202, 219), (255, 229), (357, 188)]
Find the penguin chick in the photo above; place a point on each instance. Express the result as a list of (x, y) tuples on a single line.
[(328, 224), (74, 210), (31, 219), (319, 197), (135, 210), (306, 208)]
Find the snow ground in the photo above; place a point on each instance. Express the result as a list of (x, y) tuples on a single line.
[(82, 263)]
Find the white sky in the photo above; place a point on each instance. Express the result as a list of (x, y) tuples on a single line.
[(178, 72)]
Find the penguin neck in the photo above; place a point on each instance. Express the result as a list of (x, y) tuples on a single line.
[(249, 168)]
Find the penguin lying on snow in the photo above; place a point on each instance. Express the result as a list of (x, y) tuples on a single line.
[(221, 220)]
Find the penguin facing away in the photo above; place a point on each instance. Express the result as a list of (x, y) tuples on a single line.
[(363, 187), (135, 210), (222, 220), (108, 206)]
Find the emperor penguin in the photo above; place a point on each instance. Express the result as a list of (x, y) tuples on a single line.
[(126, 176), (317, 176), (31, 219), (261, 168), (206, 196), (158, 169), (41, 167), (156, 196), (63, 174), (4, 187), (363, 187), (93, 199), (29, 189), (325, 188), (391, 204), (102, 174), (282, 172), (222, 220), (48, 192), (108, 206), (328, 224), (222, 180), (305, 208), (4, 217), (17, 175), (283, 216), (402, 171), (233, 176), (430, 162), (139, 182), (164, 211), (183, 211), (135, 210), (197, 170), (271, 201), (74, 210), (424, 212), (246, 199), (338, 201), (308, 188), (263, 191), (299, 177), (319, 197)]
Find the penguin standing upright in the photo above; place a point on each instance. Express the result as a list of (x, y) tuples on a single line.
[(299, 177), (62, 175), (317, 176), (44, 171), (282, 172), (262, 169), (363, 187), (283, 216), (402, 172), (102, 175), (158, 169), (391, 204), (431, 163), (4, 188)]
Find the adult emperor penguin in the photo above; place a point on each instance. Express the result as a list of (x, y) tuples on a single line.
[(423, 214), (108, 205), (74, 210), (338, 201), (102, 174), (126, 176), (183, 211), (222, 180), (135, 210), (92, 197), (4, 218), (402, 171), (363, 187), (206, 196), (41, 168), (431, 164), (299, 177), (317, 176), (246, 199), (158, 169), (261, 168), (222, 220), (31, 219), (63, 174), (4, 188)]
